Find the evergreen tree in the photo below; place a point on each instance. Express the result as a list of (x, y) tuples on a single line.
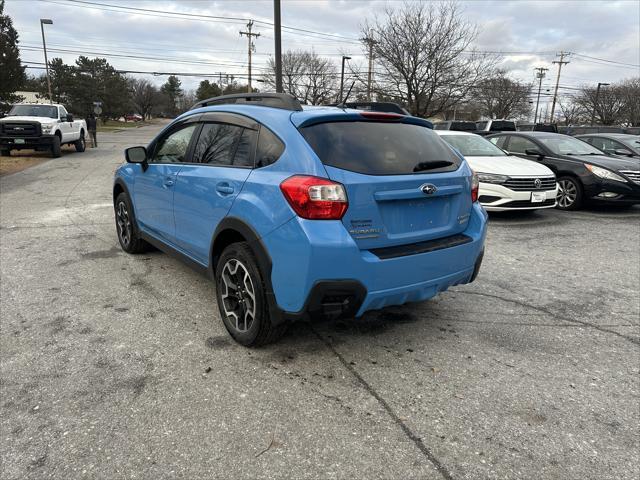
[(12, 75), (172, 92)]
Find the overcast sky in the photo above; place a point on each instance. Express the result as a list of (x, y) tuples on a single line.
[(607, 31)]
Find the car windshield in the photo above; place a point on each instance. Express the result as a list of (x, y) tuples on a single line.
[(34, 111), (564, 145), (473, 146), (631, 142)]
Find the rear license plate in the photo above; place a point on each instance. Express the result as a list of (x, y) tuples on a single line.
[(537, 197), (18, 140)]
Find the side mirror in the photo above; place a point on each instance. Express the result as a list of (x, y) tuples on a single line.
[(69, 117), (534, 152), (623, 152), (136, 155)]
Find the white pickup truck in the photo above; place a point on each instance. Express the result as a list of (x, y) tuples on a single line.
[(40, 127)]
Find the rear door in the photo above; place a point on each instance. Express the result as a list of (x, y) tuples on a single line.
[(404, 184), (206, 188), (154, 188)]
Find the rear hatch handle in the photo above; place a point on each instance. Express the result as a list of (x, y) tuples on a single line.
[(419, 192)]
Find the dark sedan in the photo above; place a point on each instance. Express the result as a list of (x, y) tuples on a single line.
[(585, 174), (621, 144)]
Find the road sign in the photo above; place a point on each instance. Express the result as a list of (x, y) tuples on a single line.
[(97, 110)]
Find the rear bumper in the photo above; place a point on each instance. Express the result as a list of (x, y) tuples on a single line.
[(306, 254), (499, 199), (14, 143)]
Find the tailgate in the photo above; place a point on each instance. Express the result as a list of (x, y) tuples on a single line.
[(404, 184), (395, 210)]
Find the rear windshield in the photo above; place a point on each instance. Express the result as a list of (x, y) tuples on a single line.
[(379, 148), (503, 126)]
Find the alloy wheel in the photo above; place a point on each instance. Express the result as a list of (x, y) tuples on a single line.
[(125, 229), (567, 193), (238, 295)]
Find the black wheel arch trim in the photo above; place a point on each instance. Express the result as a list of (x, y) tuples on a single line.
[(262, 255)]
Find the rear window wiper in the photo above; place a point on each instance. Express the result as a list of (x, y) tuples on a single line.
[(432, 165)]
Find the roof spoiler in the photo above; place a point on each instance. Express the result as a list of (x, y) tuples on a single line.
[(273, 100)]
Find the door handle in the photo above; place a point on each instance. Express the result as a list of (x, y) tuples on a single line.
[(224, 188)]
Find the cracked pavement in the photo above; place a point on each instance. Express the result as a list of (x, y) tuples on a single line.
[(118, 366)]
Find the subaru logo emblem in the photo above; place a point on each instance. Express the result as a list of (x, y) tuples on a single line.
[(538, 183), (428, 189)]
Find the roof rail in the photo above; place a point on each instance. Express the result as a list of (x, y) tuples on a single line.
[(274, 100)]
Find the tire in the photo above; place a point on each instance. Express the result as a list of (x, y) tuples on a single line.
[(570, 194), (80, 144), (5, 153), (55, 147), (126, 226), (238, 267)]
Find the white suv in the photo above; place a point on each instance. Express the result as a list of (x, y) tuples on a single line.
[(506, 182)]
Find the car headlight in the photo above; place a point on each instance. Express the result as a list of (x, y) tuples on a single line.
[(492, 178), (47, 128), (604, 173)]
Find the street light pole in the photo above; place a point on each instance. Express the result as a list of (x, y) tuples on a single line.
[(344, 57), (595, 104), (43, 22)]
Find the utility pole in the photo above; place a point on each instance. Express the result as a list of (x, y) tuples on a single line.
[(370, 43), (344, 57), (555, 94), (277, 25), (251, 49), (595, 104), (540, 74), (43, 22)]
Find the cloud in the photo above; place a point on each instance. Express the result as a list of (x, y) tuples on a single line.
[(608, 30)]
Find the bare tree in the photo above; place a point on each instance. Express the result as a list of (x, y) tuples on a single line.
[(629, 92), (424, 52), (608, 105), (305, 75), (144, 96), (500, 97), (572, 112)]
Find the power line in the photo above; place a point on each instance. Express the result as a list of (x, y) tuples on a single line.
[(193, 16)]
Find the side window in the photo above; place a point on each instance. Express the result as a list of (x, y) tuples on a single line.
[(481, 125), (246, 147), (520, 144), (269, 148), (217, 143), (63, 113), (498, 141), (173, 148)]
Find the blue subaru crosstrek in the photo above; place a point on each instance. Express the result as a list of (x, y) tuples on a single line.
[(302, 212)]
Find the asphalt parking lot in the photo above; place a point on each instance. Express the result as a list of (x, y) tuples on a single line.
[(117, 366)]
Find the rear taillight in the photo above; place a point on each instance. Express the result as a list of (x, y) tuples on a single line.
[(315, 198), (475, 185)]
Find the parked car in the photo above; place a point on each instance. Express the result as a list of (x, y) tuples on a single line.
[(614, 143), (506, 182), (538, 127), (486, 127), (40, 127), (457, 125), (584, 173), (299, 213), (132, 117)]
